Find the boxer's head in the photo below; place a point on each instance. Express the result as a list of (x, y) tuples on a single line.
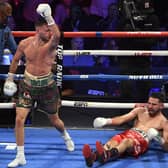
[(155, 103), (5, 12)]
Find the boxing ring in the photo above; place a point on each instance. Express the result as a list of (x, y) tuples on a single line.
[(50, 151)]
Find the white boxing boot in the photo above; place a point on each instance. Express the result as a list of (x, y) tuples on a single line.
[(18, 161), (68, 141)]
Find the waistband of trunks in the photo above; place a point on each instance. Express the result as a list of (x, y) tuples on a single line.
[(38, 81), (141, 132)]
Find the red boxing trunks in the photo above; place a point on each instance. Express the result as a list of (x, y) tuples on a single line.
[(139, 138)]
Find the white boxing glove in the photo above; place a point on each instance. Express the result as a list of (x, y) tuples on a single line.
[(10, 88), (101, 121), (45, 11), (153, 134)]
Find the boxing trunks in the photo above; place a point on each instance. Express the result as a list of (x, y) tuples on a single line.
[(140, 140), (42, 89)]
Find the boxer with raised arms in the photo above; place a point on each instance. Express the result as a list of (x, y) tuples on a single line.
[(38, 83)]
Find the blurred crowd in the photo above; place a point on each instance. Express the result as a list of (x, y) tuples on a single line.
[(98, 15), (102, 15)]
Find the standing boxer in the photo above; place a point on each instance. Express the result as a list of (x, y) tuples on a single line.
[(38, 83), (148, 122)]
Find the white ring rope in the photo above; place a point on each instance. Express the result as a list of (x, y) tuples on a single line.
[(7, 105), (85, 104), (117, 52)]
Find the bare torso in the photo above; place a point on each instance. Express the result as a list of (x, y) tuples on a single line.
[(144, 121), (145, 118), (39, 59)]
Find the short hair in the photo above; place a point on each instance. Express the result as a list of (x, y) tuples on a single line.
[(5, 8), (158, 95), (40, 21)]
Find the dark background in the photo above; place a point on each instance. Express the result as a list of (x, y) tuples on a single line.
[(76, 117)]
